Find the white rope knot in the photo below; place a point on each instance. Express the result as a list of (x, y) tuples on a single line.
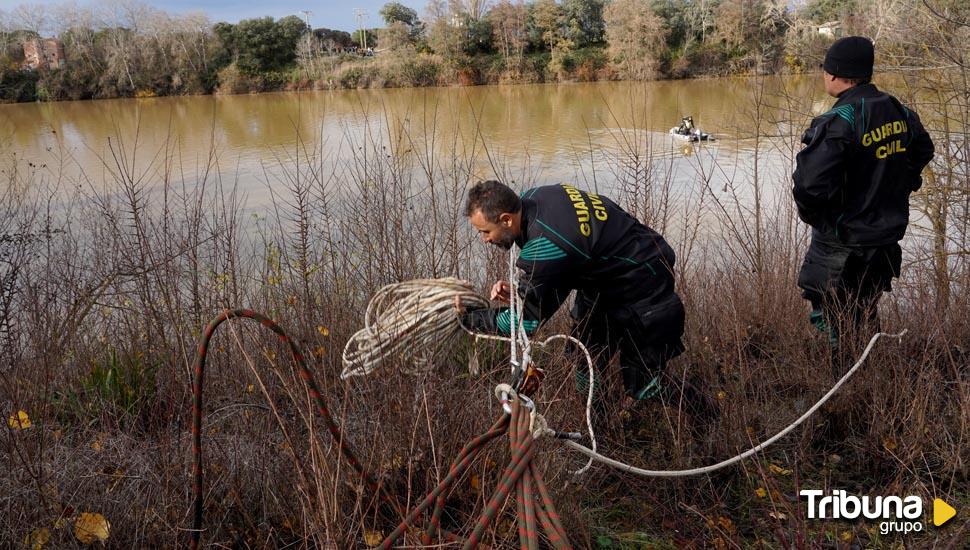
[(540, 428), (538, 425), (504, 392)]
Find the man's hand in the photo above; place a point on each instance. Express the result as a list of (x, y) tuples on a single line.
[(501, 292)]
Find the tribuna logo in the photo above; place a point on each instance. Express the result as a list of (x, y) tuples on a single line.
[(906, 511)]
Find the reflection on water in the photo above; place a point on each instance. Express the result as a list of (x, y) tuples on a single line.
[(556, 131)]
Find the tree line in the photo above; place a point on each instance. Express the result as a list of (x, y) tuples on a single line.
[(123, 48)]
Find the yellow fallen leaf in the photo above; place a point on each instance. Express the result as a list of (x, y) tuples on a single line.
[(890, 444), (726, 524), (320, 351), (846, 536), (60, 523), (91, 527), (476, 484), (324, 331), (721, 395), (97, 444), (250, 388), (760, 491), (37, 538), (373, 538), (778, 470), (19, 421)]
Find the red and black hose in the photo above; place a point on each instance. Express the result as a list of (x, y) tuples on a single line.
[(533, 503), (305, 375)]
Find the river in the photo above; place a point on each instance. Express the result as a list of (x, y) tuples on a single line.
[(538, 132), (611, 137)]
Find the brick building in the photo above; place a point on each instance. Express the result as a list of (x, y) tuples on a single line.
[(43, 53)]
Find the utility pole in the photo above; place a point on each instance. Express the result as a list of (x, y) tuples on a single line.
[(311, 41), (361, 16)]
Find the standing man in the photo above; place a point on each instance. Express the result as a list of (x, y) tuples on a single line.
[(623, 272), (861, 161)]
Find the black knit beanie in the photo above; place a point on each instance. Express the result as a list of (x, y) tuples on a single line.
[(850, 57)]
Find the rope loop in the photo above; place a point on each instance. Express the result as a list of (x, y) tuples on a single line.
[(410, 321)]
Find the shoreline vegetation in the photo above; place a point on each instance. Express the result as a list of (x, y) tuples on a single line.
[(128, 49)]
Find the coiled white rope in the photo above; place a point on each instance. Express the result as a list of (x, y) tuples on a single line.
[(592, 454), (405, 320)]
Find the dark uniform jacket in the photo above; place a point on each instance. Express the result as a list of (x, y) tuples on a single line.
[(572, 239), (862, 160)]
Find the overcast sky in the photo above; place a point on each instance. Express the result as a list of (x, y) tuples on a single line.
[(334, 14)]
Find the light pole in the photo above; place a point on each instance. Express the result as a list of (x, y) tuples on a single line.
[(361, 15)]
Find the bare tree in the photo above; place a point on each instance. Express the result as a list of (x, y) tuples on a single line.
[(509, 27), (636, 37), (308, 55), (396, 36), (445, 36), (475, 9), (30, 18)]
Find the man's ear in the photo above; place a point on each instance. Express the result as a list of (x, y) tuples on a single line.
[(505, 219)]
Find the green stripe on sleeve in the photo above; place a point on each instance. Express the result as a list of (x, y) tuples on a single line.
[(564, 239), (541, 249), (503, 322)]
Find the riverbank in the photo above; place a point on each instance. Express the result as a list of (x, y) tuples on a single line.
[(405, 68), (416, 69)]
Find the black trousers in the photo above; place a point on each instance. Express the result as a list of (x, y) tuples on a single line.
[(844, 285), (646, 334)]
